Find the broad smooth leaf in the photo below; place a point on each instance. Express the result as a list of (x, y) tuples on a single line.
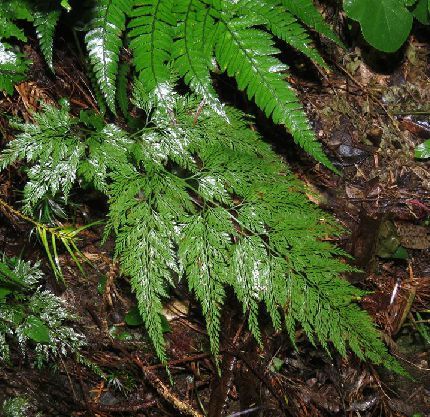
[(385, 24), (422, 151), (37, 330)]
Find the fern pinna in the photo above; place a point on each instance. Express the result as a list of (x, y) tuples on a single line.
[(208, 202)]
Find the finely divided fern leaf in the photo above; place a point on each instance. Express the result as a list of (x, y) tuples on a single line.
[(235, 218), (104, 42)]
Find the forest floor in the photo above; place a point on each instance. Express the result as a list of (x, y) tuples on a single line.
[(369, 116)]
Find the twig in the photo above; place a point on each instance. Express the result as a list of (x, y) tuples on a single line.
[(125, 408), (165, 392)]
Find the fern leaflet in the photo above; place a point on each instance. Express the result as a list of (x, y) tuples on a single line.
[(104, 42), (192, 56), (45, 22), (151, 30), (305, 11)]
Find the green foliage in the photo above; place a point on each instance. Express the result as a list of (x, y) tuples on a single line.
[(422, 151), (18, 407), (386, 24), (190, 36), (13, 65), (45, 21), (32, 317), (104, 42), (194, 38), (13, 68), (194, 195), (305, 11), (209, 202)]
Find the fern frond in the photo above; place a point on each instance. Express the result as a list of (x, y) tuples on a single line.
[(204, 250), (193, 57), (151, 31), (104, 42), (209, 202), (305, 11), (284, 26), (45, 22), (143, 212), (247, 54), (54, 152), (9, 12)]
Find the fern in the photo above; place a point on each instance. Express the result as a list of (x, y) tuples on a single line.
[(192, 37), (208, 202), (193, 57), (45, 22), (151, 31), (13, 65), (247, 53), (13, 68), (34, 318), (307, 13), (104, 42), (122, 88), (55, 151), (284, 26)]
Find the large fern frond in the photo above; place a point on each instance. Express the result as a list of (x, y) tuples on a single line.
[(236, 218), (104, 42), (246, 53)]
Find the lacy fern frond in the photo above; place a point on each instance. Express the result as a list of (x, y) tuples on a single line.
[(54, 152), (104, 42), (35, 318), (207, 202)]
